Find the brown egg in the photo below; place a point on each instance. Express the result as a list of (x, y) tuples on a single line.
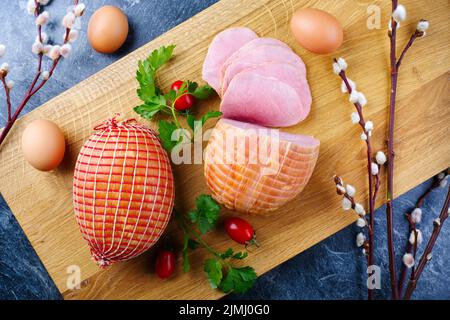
[(317, 30), (43, 144), (107, 29)]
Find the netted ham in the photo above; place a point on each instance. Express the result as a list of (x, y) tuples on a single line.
[(252, 169), (123, 191), (220, 49)]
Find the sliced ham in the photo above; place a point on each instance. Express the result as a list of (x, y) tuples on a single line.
[(260, 55), (250, 46), (252, 169), (222, 47), (261, 100), (288, 74)]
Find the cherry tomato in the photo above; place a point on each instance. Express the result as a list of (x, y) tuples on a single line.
[(165, 264), (176, 85), (240, 231), (186, 101)]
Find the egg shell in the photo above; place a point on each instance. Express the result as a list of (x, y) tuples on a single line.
[(107, 29), (317, 30), (43, 144)]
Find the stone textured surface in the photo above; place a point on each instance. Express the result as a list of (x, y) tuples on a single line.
[(333, 269)]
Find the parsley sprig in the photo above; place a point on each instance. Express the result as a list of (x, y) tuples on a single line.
[(219, 268), (155, 101)]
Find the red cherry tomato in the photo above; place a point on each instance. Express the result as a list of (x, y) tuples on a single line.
[(176, 85), (165, 264), (186, 101), (240, 230)]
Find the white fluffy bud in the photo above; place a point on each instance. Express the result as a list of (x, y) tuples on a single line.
[(45, 75), (355, 117), (437, 222), (368, 126), (42, 18), (73, 35), (31, 7), (346, 204), (354, 96), (399, 13), (65, 50), (54, 53), (10, 84), (412, 237), (2, 50), (344, 86), (362, 100), (68, 20), (4, 67), (374, 169), (342, 63), (363, 136), (408, 260), (79, 9), (360, 239), (37, 48), (416, 215), (350, 190), (381, 158), (359, 209), (422, 25), (336, 68), (361, 222)]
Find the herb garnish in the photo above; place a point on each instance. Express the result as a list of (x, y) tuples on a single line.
[(155, 101)]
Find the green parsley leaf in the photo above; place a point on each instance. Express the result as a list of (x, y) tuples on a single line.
[(166, 130), (213, 269), (240, 255), (190, 121), (160, 56), (239, 280), (202, 93), (205, 214), (227, 254), (210, 115)]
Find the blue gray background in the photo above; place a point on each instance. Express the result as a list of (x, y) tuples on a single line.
[(332, 269)]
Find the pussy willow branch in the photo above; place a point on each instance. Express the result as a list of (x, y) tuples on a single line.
[(372, 194), (412, 227), (428, 249), (390, 156), (32, 89), (394, 66)]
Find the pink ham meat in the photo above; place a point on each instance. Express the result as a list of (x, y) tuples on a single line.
[(250, 46), (243, 180), (257, 56), (222, 47), (261, 100)]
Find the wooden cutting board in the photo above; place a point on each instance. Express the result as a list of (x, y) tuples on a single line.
[(42, 203)]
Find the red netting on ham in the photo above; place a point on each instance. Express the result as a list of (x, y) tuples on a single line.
[(123, 191)]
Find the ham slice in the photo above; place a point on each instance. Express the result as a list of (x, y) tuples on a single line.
[(262, 100), (288, 74), (252, 169), (250, 46), (260, 55), (221, 48)]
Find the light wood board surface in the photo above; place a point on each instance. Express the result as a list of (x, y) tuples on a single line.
[(42, 203)]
